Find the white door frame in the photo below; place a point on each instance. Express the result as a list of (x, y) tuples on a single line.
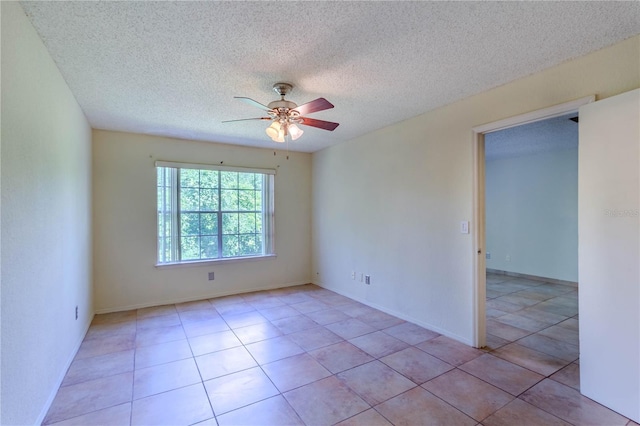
[(479, 238)]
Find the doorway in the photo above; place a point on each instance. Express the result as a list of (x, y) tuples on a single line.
[(608, 250), (531, 255), (480, 278)]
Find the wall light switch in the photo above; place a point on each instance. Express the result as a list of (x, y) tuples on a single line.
[(464, 227)]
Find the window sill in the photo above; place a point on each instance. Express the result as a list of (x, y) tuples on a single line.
[(215, 261)]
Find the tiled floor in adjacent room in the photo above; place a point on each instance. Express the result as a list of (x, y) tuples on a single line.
[(306, 355)]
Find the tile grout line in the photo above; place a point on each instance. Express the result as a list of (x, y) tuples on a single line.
[(133, 379), (261, 369), (193, 357)]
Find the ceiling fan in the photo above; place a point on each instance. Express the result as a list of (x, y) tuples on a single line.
[(286, 115)]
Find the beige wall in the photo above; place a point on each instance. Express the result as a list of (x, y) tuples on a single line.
[(46, 229), (389, 203), (124, 202)]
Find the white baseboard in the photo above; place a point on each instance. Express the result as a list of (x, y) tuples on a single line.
[(531, 277), (63, 373), (401, 316), (193, 299)]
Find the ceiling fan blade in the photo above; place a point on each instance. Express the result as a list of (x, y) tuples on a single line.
[(247, 119), (319, 104), (253, 103), (320, 124)]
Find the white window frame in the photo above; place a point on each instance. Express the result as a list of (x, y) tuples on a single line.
[(268, 213)]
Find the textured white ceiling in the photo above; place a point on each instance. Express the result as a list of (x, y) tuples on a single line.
[(558, 133), (172, 68)]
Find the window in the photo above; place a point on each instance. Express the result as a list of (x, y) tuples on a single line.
[(213, 212)]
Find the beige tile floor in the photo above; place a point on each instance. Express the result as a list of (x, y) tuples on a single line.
[(306, 355)]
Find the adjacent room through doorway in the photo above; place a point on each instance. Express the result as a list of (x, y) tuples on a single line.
[(531, 216)]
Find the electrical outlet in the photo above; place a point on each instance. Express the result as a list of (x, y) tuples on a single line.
[(488, 256), (508, 258), (353, 275), (76, 312), (367, 279), (212, 276)]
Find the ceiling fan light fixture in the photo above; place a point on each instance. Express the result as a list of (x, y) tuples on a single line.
[(286, 115), (295, 131), (274, 130)]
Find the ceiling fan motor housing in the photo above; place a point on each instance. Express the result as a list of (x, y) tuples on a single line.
[(282, 104), (282, 109)]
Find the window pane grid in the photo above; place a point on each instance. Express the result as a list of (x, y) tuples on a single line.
[(218, 214)]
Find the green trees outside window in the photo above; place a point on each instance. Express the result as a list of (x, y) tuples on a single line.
[(213, 213)]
